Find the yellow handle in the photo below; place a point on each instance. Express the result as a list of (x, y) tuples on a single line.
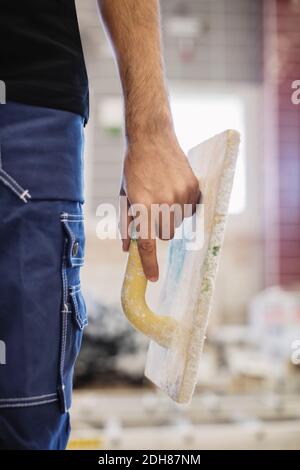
[(159, 328)]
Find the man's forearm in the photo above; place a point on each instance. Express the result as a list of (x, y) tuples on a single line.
[(155, 169), (134, 29)]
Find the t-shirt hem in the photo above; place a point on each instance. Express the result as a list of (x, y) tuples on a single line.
[(61, 99)]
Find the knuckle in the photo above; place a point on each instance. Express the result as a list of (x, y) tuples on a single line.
[(181, 193), (147, 246), (194, 193), (193, 185), (169, 199)]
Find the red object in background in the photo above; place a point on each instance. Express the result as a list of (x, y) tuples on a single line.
[(282, 202)]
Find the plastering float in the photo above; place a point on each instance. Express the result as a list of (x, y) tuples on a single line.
[(178, 331)]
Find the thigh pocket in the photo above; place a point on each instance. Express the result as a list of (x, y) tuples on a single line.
[(74, 315)]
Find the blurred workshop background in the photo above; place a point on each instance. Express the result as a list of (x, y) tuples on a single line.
[(230, 64)]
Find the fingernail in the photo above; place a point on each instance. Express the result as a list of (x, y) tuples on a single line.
[(153, 279)]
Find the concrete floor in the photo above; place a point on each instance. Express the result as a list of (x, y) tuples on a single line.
[(132, 419)]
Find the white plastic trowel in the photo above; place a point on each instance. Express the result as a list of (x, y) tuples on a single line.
[(177, 331)]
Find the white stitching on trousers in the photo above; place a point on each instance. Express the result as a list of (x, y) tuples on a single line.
[(11, 183), (36, 397), (23, 405)]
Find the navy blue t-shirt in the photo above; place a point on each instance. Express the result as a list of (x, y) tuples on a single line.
[(41, 57)]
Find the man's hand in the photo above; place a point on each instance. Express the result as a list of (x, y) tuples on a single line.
[(156, 170)]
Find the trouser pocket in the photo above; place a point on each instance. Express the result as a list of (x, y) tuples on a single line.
[(73, 311)]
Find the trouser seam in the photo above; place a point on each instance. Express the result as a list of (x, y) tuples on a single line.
[(27, 404), (65, 312), (28, 401), (35, 397), (12, 184)]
